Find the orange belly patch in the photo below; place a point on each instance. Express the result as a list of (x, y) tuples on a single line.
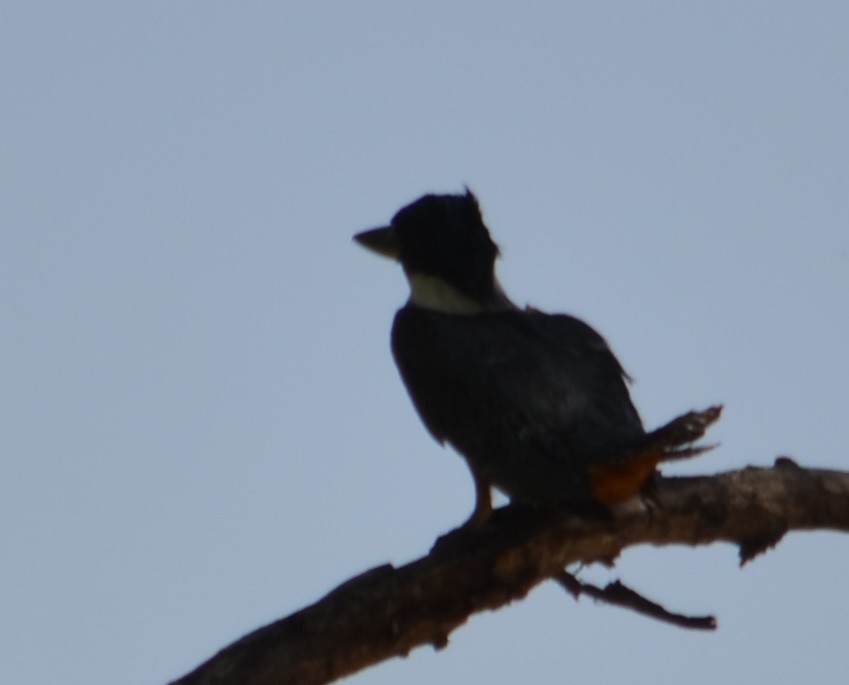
[(613, 483)]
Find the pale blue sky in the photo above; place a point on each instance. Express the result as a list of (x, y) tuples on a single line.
[(201, 428)]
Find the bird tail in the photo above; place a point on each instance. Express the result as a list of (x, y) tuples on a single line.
[(674, 440), (617, 481)]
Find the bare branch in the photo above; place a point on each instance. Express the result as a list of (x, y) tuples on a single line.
[(389, 611), (618, 594)]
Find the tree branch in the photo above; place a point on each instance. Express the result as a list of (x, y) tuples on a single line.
[(388, 611), (620, 595)]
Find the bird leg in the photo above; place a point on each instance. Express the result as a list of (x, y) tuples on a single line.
[(483, 503)]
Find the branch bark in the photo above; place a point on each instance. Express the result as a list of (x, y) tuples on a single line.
[(388, 611)]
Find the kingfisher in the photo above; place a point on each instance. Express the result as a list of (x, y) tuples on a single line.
[(537, 404)]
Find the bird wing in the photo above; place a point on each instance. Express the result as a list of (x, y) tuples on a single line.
[(530, 399)]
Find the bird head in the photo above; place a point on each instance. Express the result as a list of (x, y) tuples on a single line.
[(446, 251)]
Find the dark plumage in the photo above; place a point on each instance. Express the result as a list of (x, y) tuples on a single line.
[(536, 403)]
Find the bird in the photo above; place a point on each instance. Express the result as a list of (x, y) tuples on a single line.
[(536, 403)]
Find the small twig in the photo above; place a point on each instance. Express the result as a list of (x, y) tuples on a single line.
[(620, 595)]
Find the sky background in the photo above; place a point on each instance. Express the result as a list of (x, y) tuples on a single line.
[(201, 427)]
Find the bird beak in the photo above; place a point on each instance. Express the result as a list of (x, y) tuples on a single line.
[(382, 240)]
